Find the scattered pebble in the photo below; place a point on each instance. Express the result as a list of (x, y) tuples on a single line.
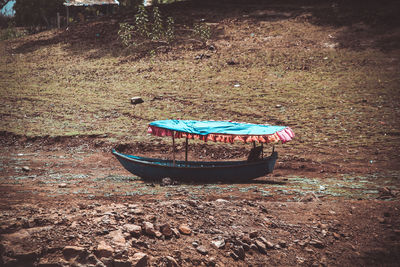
[(184, 229), (218, 243), (26, 169), (202, 250), (136, 100)]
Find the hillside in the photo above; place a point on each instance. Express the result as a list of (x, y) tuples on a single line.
[(328, 70)]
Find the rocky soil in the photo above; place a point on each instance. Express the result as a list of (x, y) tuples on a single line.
[(75, 206)]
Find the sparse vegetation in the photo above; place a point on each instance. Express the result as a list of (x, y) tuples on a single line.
[(153, 30), (157, 26), (11, 32), (170, 29), (142, 22), (125, 33), (202, 31)]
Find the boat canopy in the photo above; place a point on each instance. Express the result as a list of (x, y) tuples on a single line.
[(221, 131)]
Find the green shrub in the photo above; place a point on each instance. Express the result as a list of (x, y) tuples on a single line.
[(142, 25), (125, 33), (157, 26), (170, 31), (202, 31), (142, 22)]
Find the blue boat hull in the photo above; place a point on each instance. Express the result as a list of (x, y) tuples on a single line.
[(149, 168)]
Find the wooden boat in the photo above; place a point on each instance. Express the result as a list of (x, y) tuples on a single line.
[(219, 131), (195, 170)]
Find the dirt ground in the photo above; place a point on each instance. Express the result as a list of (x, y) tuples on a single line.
[(330, 71), (70, 203)]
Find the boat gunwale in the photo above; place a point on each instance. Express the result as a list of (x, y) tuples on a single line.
[(197, 164)]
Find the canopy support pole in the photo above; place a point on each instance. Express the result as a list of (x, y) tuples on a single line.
[(186, 149), (273, 148), (262, 150), (173, 147), (254, 144)]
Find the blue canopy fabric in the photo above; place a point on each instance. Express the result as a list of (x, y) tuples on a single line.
[(216, 127), (221, 131)]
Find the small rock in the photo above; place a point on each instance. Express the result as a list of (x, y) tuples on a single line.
[(201, 56), (150, 217), (133, 229), (278, 106), (323, 226), (263, 239), (140, 259), (117, 238), (195, 244), (269, 244), (62, 185), (176, 232), (139, 243), (136, 100), (282, 243), (261, 246), (123, 263), (336, 235), (246, 247), (323, 261), (263, 209), (137, 211), (302, 243), (316, 243), (253, 247), (166, 230), (26, 169), (300, 260), (184, 229), (171, 262), (309, 250), (218, 243), (73, 251), (166, 181), (253, 234), (149, 228), (211, 48), (202, 250), (220, 200), (103, 250), (381, 220), (233, 255), (246, 239), (240, 252)]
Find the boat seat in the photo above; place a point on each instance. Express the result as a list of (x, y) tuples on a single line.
[(255, 154)]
